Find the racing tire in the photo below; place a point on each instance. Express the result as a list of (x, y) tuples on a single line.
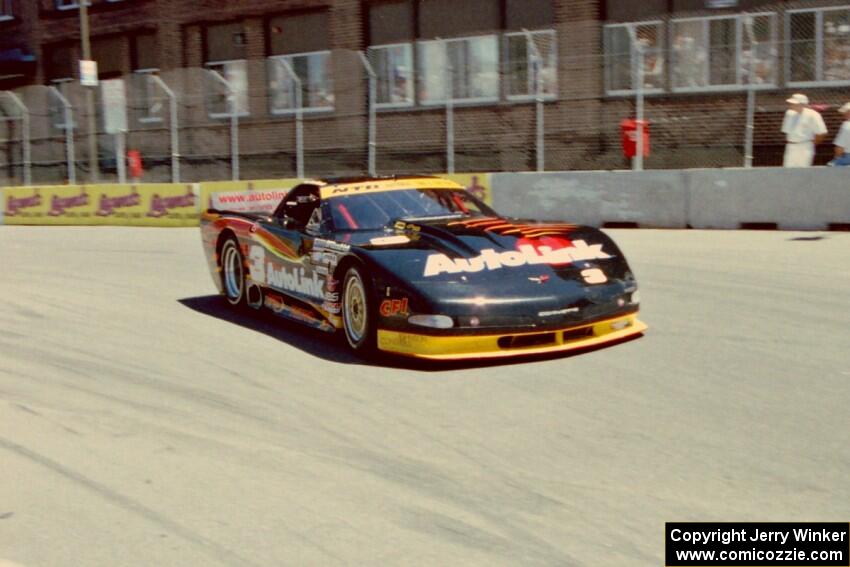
[(358, 317), (233, 277)]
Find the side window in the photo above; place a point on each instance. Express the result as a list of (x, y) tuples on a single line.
[(318, 223), (299, 204)]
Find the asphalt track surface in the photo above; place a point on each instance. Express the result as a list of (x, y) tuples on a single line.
[(142, 423)]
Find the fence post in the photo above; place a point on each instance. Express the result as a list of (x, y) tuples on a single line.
[(175, 138), (537, 65), (234, 123), (637, 52), (748, 135), (25, 135), (747, 27), (450, 117), (69, 133), (373, 91), (299, 116), (121, 156)]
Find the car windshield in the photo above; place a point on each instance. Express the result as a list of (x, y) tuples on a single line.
[(371, 211)]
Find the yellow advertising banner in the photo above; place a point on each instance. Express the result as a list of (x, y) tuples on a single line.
[(476, 183), (149, 204), (210, 187)]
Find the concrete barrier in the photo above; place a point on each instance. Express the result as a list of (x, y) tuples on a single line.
[(595, 198), (800, 198), (791, 199)]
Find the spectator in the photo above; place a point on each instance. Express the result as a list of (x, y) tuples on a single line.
[(653, 70), (842, 141), (803, 128), (690, 61)]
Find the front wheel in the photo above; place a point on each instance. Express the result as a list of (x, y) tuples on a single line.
[(233, 272), (357, 314)]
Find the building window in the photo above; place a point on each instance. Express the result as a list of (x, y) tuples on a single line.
[(617, 11), (445, 19), (393, 65), (300, 41), (69, 4), (55, 108), (219, 101), (150, 101), (419, 54), (521, 51), (391, 22), (6, 10), (621, 60), (529, 14), (723, 52), (391, 33), (225, 55), (110, 52), (818, 46), (470, 65), (460, 55), (59, 61), (313, 70)]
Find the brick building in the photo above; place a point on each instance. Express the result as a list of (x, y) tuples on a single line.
[(700, 57)]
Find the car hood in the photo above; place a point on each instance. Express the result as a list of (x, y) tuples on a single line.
[(499, 262)]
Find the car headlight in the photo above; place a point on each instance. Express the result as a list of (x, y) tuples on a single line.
[(635, 299), (433, 321)]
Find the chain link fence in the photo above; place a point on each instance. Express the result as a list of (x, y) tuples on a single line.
[(713, 87)]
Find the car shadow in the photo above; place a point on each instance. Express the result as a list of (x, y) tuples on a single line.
[(333, 348), (807, 238)]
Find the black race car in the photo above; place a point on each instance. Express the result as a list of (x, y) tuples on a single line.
[(418, 266)]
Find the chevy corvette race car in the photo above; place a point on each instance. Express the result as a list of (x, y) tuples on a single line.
[(418, 266)]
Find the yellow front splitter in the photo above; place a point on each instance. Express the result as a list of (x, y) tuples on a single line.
[(453, 347)]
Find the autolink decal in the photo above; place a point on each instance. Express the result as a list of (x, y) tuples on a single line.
[(527, 254), (295, 280)]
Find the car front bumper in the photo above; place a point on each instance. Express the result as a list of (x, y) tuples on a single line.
[(454, 347)]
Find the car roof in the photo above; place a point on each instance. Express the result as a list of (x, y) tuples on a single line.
[(347, 179), (337, 186)]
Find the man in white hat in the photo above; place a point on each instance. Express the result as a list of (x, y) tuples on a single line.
[(803, 128), (842, 141)]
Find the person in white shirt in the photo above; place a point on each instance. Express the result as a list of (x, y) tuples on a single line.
[(842, 141), (803, 128)]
